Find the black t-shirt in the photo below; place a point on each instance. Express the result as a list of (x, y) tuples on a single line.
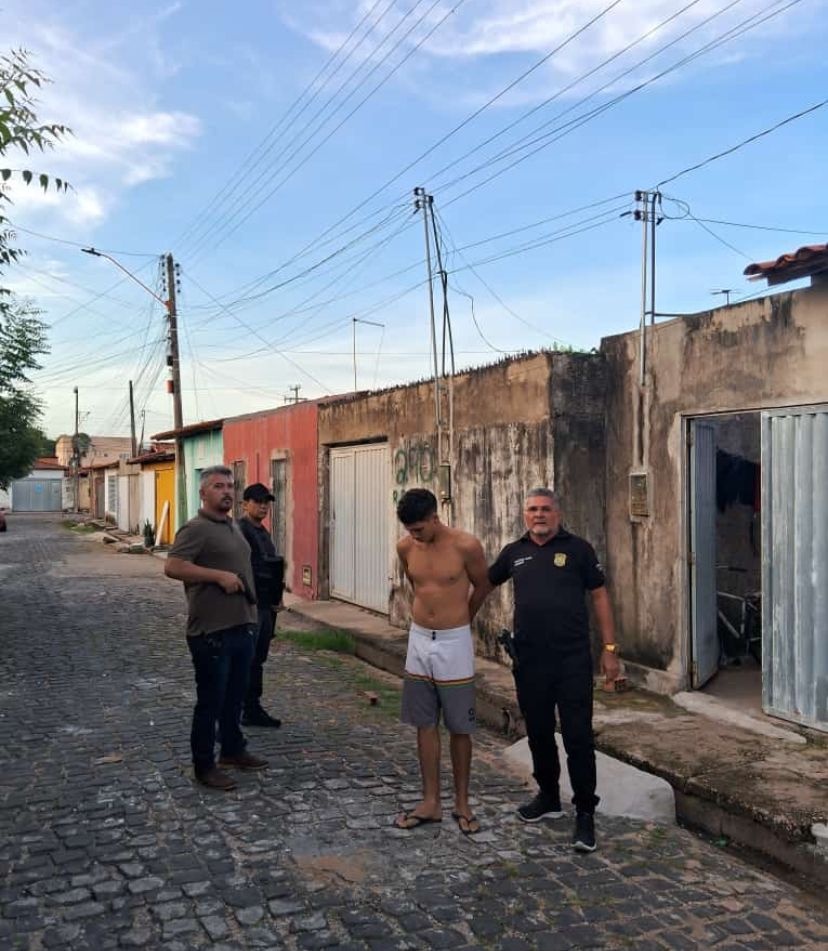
[(550, 583), (268, 567)]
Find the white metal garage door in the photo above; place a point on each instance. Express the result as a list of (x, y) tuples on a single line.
[(37, 495), (795, 565), (359, 525)]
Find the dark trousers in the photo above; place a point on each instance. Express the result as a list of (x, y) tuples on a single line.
[(222, 670), (264, 635), (563, 685)]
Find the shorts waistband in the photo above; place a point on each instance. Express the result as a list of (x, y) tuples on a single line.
[(445, 633)]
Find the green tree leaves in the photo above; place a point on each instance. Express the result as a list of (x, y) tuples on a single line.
[(22, 333)]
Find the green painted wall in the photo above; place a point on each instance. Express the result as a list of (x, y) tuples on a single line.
[(200, 451)]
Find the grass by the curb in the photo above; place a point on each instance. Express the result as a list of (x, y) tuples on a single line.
[(341, 642), (82, 528)]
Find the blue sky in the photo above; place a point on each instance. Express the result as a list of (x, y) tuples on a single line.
[(182, 143)]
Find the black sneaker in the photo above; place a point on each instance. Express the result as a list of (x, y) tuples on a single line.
[(260, 717), (583, 838), (543, 806)]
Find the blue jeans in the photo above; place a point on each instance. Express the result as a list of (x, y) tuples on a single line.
[(222, 669)]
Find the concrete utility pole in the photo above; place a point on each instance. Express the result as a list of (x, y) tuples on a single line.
[(443, 378), (649, 218), (76, 453), (423, 202), (133, 441), (174, 387), (173, 361)]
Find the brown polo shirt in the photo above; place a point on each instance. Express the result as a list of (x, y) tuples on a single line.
[(214, 543)]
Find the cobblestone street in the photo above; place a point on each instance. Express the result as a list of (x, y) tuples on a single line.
[(106, 842)]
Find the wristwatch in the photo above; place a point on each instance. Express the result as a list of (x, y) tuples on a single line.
[(612, 648)]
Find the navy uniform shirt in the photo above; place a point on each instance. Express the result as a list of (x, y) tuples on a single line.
[(268, 567), (550, 583)]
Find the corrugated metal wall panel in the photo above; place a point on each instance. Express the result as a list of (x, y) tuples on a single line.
[(795, 565)]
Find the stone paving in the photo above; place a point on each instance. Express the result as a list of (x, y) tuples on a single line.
[(105, 841)]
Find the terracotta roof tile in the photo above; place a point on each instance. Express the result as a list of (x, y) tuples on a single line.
[(807, 260)]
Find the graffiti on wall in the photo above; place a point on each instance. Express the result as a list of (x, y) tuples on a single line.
[(414, 462)]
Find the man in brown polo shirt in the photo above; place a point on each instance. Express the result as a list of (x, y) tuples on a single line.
[(212, 558)]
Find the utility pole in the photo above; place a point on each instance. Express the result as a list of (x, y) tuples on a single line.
[(370, 323), (295, 390), (443, 378), (650, 220), (173, 360), (174, 387), (134, 444), (423, 202), (76, 453)]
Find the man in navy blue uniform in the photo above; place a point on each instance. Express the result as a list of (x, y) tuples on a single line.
[(552, 570), (268, 574)]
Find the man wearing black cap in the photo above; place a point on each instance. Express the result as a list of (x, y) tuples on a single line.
[(268, 573)]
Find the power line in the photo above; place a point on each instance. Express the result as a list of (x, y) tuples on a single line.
[(74, 244), (248, 186), (544, 141), (740, 145), (442, 140), (252, 330), (232, 182), (359, 105)]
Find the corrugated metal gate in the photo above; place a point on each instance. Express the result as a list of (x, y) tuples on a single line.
[(795, 565), (359, 479), (37, 495)]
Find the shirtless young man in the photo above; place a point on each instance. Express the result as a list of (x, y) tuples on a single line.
[(444, 566)]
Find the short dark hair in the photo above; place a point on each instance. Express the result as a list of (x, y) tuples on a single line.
[(416, 505)]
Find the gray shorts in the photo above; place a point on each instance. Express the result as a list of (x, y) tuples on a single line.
[(439, 675)]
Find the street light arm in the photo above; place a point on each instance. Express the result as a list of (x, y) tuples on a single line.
[(129, 274)]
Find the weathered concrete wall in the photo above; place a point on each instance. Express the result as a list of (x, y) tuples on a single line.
[(532, 421), (761, 354)]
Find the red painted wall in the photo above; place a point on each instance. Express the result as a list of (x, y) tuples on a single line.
[(291, 432)]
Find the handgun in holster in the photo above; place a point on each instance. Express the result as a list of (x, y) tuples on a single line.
[(507, 642)]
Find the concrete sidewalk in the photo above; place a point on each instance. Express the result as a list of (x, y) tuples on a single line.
[(748, 780)]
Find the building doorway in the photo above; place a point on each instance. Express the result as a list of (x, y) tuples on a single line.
[(758, 557), (725, 557)]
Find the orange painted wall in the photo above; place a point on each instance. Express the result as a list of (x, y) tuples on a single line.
[(287, 432)]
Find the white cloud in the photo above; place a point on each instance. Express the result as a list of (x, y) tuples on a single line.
[(122, 138), (488, 30)]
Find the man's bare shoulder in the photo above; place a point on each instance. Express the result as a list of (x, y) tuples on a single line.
[(404, 545), (465, 542)]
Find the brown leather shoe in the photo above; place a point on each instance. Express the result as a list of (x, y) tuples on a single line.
[(244, 761), (216, 778)]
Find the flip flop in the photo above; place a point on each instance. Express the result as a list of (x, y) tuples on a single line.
[(471, 820), (414, 820)]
